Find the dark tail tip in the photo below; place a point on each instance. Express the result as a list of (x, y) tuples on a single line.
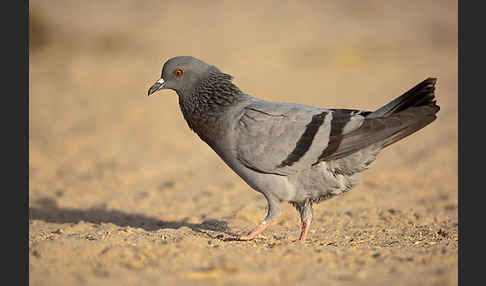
[(423, 94)]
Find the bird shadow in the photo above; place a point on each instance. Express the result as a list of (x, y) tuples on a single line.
[(47, 210)]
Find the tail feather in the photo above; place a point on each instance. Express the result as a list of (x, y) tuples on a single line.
[(420, 95), (396, 120), (418, 102), (426, 120)]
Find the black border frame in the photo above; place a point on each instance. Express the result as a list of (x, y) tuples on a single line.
[(15, 87)]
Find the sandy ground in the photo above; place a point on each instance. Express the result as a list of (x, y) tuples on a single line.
[(123, 193)]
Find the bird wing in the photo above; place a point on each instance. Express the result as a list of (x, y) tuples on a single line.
[(284, 138)]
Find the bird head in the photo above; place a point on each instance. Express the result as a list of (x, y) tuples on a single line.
[(181, 74)]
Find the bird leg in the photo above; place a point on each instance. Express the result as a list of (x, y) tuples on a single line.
[(305, 211), (305, 228), (274, 211)]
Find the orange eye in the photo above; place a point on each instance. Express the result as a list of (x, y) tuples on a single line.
[(178, 72)]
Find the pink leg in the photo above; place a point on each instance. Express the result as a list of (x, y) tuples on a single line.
[(254, 233), (305, 228)]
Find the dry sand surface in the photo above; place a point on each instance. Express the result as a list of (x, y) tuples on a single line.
[(123, 193)]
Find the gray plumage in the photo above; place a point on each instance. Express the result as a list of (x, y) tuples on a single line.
[(290, 152)]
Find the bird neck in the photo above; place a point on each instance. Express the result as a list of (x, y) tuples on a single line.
[(204, 106)]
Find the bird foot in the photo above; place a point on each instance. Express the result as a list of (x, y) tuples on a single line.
[(243, 238), (253, 234)]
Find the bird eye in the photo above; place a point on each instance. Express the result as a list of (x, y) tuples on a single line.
[(178, 72)]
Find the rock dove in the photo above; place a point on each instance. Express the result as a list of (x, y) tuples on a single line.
[(286, 151)]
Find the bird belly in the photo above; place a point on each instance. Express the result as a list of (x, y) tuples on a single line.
[(321, 183), (271, 185)]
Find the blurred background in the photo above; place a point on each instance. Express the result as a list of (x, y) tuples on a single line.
[(103, 153)]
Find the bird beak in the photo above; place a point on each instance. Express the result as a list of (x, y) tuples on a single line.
[(158, 85)]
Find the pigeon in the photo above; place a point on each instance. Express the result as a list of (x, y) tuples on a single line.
[(290, 152)]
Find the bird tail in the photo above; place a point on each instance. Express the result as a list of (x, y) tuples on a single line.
[(419, 102)]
